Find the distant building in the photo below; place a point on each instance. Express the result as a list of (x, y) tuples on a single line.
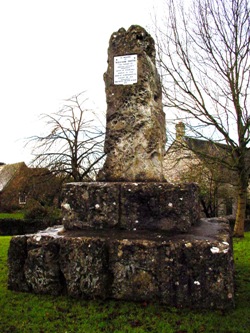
[(20, 185), (186, 161)]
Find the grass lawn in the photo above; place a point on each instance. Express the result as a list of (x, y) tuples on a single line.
[(16, 216), (23, 313)]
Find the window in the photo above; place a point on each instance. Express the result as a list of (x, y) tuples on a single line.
[(22, 199)]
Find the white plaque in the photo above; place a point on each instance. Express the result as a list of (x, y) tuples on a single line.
[(125, 69)]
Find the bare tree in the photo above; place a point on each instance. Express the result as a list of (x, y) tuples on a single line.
[(204, 60), (74, 143)]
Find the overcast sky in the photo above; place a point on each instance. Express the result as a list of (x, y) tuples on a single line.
[(51, 50)]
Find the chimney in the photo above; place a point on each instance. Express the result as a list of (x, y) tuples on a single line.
[(180, 131)]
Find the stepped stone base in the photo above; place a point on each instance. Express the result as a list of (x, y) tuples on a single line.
[(186, 270), (129, 206)]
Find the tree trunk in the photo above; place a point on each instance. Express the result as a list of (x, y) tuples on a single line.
[(241, 212)]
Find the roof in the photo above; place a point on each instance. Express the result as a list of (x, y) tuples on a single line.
[(205, 149), (215, 155), (218, 158), (7, 172), (217, 150)]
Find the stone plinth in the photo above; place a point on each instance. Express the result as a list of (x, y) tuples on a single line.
[(131, 206), (192, 270), (135, 131)]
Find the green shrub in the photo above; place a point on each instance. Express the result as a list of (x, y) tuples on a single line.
[(35, 210)]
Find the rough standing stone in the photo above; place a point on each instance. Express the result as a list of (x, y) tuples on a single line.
[(135, 130)]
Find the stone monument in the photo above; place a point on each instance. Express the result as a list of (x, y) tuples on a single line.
[(131, 235), (135, 131)]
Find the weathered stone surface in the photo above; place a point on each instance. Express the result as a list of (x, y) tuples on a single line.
[(17, 257), (135, 130), (90, 205), (159, 206), (41, 269), (187, 270), (195, 276), (144, 206), (84, 263), (134, 266)]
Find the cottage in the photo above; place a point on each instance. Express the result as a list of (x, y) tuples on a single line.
[(186, 160), (19, 185)]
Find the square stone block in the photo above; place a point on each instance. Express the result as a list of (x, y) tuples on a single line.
[(197, 274), (42, 269), (159, 206), (133, 264), (90, 205), (83, 262), (17, 256), (76, 266)]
